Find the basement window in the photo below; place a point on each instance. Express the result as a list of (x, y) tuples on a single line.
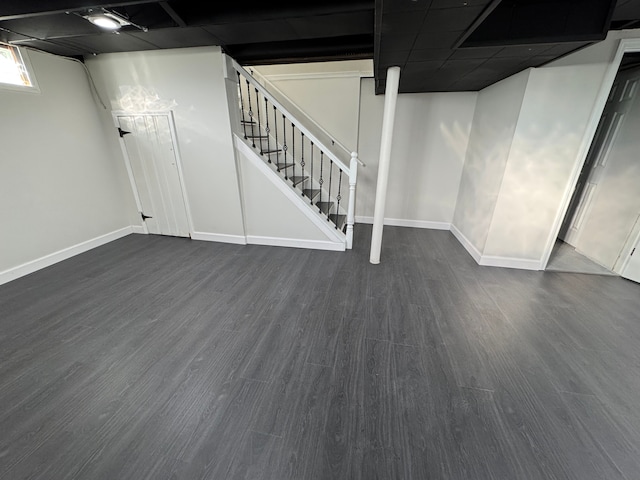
[(15, 69)]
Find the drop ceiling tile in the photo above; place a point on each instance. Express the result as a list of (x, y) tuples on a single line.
[(523, 50), (253, 32), (466, 84), (7, 37), (54, 47), (399, 30), (52, 26), (107, 42), (337, 25), (429, 54), (421, 67), (565, 47), (481, 52), (391, 6), (427, 39), (458, 3), (392, 58), (177, 37), (540, 60), (460, 67), (450, 19)]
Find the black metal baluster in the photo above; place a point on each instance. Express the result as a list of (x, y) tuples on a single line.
[(311, 182), (293, 149), (275, 123), (244, 122), (321, 181), (284, 144), (266, 114), (329, 199), (253, 139), (259, 125), (338, 198), (302, 159)]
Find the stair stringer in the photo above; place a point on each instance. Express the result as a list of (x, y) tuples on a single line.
[(288, 219)]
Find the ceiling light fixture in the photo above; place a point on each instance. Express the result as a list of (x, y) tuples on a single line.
[(109, 20), (104, 21)]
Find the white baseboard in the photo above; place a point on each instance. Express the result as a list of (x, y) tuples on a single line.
[(509, 262), (219, 237), (466, 243), (139, 229), (399, 222), (55, 257), (295, 243)]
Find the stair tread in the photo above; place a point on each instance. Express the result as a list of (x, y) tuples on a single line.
[(282, 166), (311, 192), (272, 151), (247, 122), (256, 136), (298, 179), (338, 219), (324, 206)]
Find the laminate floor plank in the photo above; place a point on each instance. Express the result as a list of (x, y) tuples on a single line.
[(163, 358)]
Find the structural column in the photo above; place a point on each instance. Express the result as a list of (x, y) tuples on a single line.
[(390, 97)]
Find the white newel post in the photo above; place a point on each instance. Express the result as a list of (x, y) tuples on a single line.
[(351, 211), (390, 98)]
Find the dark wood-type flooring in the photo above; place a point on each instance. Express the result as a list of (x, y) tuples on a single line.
[(164, 358)]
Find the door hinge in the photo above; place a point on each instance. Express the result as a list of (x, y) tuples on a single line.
[(144, 217), (122, 132)]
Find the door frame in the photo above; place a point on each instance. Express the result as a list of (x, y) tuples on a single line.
[(176, 151), (625, 45)]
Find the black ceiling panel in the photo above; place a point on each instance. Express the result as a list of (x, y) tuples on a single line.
[(440, 45), (196, 12), (52, 26), (108, 43), (177, 37), (253, 32), (426, 54), (518, 22), (53, 46), (335, 25), (10, 9), (335, 48), (450, 19)]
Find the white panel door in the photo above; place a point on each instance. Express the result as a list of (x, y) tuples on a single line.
[(153, 162), (620, 100), (632, 270)]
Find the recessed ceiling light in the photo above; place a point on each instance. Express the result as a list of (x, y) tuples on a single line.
[(108, 19), (103, 21)]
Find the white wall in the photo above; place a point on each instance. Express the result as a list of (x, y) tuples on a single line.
[(272, 217), (328, 92), (191, 83), (548, 146), (59, 185), (494, 123), (429, 143)]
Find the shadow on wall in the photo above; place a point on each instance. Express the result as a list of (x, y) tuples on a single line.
[(139, 99), (535, 178), (483, 172)]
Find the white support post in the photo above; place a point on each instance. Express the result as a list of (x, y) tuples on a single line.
[(390, 98), (351, 210)]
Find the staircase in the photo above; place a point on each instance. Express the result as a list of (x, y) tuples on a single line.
[(303, 155)]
